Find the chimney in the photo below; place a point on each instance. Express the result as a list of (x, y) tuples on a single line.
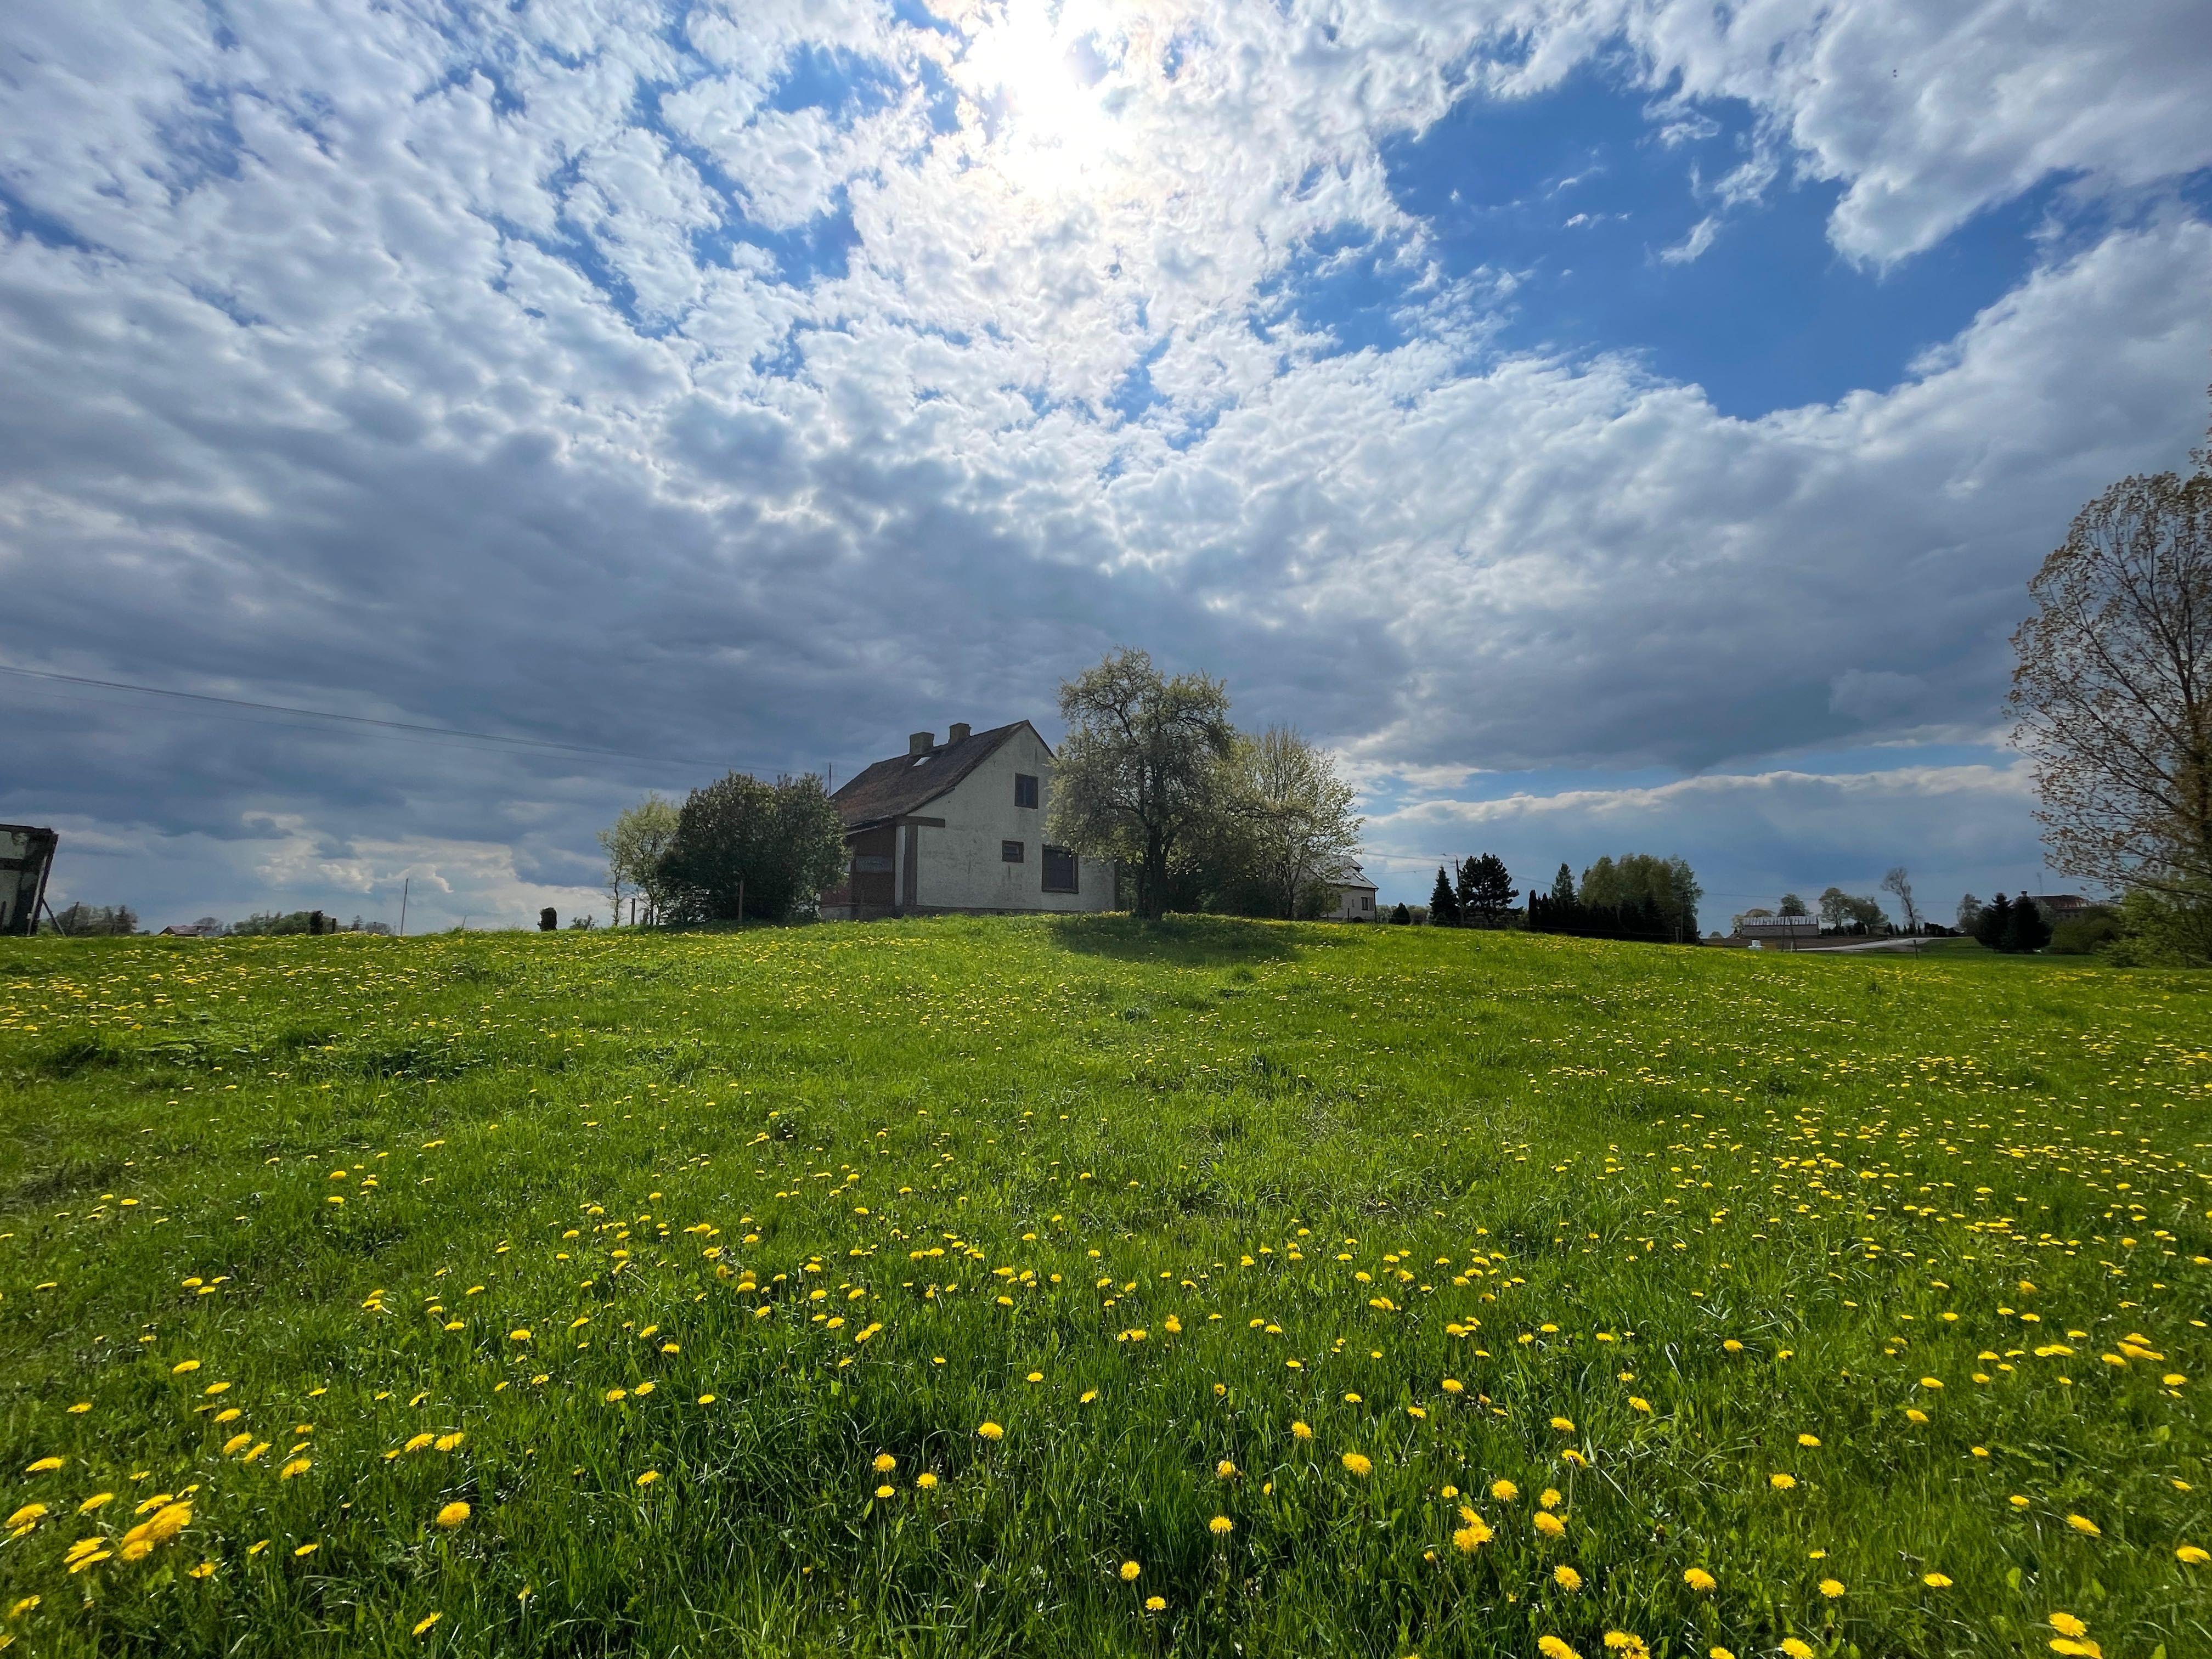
[(920, 743), (959, 733)]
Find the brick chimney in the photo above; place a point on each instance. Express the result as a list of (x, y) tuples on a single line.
[(959, 733), (920, 743)]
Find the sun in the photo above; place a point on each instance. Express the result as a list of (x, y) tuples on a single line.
[(1027, 61)]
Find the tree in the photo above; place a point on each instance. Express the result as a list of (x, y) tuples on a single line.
[(1898, 881), (1444, 903), (1400, 915), (1486, 889), (1142, 766), (1462, 874), (635, 844), (1993, 926), (1848, 913), (1667, 885), (1563, 888), (1791, 905), (548, 919), (2113, 687), (743, 848), (1970, 913), (2028, 930), (1299, 822)]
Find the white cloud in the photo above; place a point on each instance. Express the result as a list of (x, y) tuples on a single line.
[(436, 373)]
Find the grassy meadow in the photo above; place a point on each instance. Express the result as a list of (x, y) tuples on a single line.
[(1013, 1287)]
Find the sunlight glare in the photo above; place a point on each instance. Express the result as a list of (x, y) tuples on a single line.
[(1058, 129)]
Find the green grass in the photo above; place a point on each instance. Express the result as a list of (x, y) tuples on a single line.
[(1148, 1199)]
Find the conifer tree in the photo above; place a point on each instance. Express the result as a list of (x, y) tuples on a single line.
[(1443, 903), (1994, 926), (2026, 931)]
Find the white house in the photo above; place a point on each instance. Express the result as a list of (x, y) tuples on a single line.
[(959, 826), (1353, 893)]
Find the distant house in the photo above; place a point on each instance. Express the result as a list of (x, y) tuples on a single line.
[(189, 930), (2057, 906), (959, 827), (1353, 893), (1785, 932)]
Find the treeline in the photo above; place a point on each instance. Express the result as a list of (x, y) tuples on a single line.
[(1637, 896)]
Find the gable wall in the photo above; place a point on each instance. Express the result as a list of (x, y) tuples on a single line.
[(960, 867)]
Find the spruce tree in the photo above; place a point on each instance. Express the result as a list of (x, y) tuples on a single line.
[(2026, 931), (1463, 880), (1443, 903), (1563, 888), (1994, 926)]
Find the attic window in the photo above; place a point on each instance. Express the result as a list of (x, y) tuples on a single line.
[(1010, 852), (1025, 790)]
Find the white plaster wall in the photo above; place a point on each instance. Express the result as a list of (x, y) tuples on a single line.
[(960, 867)]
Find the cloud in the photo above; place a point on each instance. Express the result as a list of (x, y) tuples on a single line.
[(747, 384)]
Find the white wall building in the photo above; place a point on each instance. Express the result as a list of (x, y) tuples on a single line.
[(959, 827), (1354, 893)]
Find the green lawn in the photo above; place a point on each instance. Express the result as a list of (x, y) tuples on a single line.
[(887, 1289)]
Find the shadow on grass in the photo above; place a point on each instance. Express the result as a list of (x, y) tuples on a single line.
[(1177, 941)]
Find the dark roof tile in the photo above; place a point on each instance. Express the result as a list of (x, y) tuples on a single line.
[(905, 783)]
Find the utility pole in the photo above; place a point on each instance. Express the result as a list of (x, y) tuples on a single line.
[(405, 882)]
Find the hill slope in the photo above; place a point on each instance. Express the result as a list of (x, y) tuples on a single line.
[(1018, 1287)]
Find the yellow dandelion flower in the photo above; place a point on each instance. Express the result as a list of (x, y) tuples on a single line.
[(1503, 1491), (1698, 1579), (206, 1568), (518, 1334), (648, 1477), (705, 1399), (1936, 1581), (1637, 1402), (926, 1480), (1473, 1536), (885, 1463), (94, 1502), (1552, 1647), (883, 1492), (1549, 1498), (1224, 1470), (1221, 1525), (2085, 1526), (426, 1621), (1301, 1432), (1155, 1604), (44, 1465), (307, 1549), (1831, 1588), (29, 1516), (1795, 1649), (1564, 1425), (990, 1431), (1550, 1524), (2192, 1555), (297, 1465), (1812, 1440), (1782, 1482), (453, 1515), (1358, 1464), (183, 1366), (1566, 1577), (1453, 1385), (1129, 1571)]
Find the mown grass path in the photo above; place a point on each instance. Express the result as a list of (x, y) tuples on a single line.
[(1013, 1287)]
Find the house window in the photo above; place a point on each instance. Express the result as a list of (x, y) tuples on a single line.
[(1025, 790), (1010, 852), (1059, 870)]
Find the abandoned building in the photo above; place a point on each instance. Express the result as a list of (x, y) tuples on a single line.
[(959, 827)]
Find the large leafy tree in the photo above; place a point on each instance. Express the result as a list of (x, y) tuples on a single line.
[(1145, 764), (1300, 826), (2113, 687), (744, 848)]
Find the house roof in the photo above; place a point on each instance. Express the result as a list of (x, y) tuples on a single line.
[(1348, 874), (905, 783)]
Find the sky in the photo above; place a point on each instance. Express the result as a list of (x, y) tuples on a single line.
[(1609, 425)]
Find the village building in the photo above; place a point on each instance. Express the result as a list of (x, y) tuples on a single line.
[(958, 827), (1351, 894)]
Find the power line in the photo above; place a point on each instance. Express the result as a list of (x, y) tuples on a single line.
[(398, 728)]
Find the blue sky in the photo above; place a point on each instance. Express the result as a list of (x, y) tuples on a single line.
[(1615, 427)]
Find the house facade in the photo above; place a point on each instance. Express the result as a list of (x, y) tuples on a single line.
[(958, 827), (1354, 895)]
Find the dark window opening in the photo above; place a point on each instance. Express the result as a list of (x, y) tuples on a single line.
[(1025, 790), (1010, 851), (1059, 870)]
